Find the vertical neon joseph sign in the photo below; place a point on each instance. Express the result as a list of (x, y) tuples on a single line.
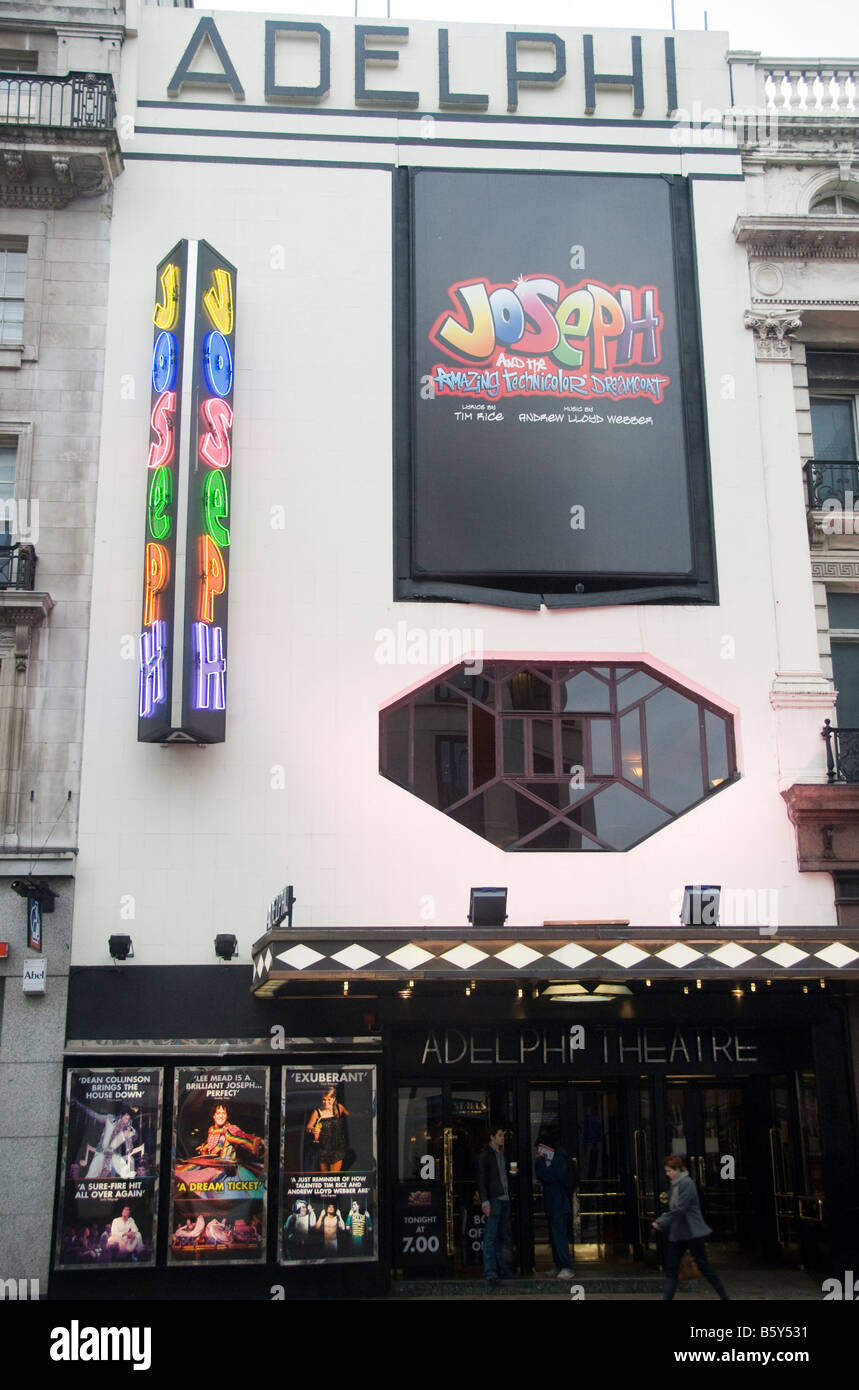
[(183, 653)]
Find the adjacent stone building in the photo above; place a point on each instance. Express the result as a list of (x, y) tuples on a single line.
[(59, 159)]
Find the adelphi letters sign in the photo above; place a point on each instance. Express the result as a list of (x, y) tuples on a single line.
[(580, 1045)]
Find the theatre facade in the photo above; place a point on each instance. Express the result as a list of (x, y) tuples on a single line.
[(453, 745)]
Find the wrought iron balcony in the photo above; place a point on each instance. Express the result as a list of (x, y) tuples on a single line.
[(78, 101), (842, 753), (18, 567), (57, 138), (828, 481)]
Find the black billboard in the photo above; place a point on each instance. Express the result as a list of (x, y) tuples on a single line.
[(551, 442)]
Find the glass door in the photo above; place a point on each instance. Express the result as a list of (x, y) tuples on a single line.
[(705, 1125), (441, 1130), (783, 1168), (585, 1118)]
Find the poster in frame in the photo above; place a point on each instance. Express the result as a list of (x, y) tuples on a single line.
[(219, 1176), (108, 1197), (329, 1207)]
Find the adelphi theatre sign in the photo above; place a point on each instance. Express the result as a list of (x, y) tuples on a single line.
[(378, 53), (585, 1046)]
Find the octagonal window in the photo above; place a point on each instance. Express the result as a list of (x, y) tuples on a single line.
[(558, 757)]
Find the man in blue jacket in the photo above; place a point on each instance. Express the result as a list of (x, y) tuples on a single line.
[(554, 1169)]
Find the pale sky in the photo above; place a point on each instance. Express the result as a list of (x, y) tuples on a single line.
[(776, 28)]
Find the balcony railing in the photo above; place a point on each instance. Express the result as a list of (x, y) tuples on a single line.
[(811, 89), (18, 567), (829, 481), (842, 753), (79, 101)]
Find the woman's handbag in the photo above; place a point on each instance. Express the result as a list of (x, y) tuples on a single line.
[(688, 1268)]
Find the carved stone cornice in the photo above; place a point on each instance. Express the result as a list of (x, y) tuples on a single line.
[(773, 330), (47, 167), (23, 610), (824, 237)]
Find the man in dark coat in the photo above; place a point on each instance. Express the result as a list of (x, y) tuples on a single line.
[(555, 1170), (493, 1185)]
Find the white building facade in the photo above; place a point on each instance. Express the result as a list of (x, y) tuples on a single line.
[(473, 398)]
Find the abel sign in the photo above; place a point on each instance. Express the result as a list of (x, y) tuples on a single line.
[(182, 689), (553, 442)]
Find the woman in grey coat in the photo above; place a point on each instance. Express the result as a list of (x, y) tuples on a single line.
[(684, 1228)]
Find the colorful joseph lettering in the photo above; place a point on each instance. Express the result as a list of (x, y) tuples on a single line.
[(590, 325)]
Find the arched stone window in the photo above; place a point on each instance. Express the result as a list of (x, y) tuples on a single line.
[(558, 755), (835, 202)]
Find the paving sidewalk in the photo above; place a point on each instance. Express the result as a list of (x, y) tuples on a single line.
[(743, 1283)]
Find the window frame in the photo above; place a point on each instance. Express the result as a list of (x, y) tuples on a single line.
[(14, 245), (20, 434), (528, 783)]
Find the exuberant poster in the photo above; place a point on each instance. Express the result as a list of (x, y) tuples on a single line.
[(109, 1184), (328, 1183), (554, 429)]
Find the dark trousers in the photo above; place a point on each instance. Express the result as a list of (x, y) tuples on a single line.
[(494, 1235), (557, 1205), (671, 1264)]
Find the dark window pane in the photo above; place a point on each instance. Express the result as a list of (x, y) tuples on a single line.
[(832, 428), (482, 745), (623, 817), (845, 671), (635, 688), (514, 745), (843, 610), (555, 793), (577, 793), (602, 764), (420, 1129), (630, 747), (471, 816), (542, 739), (717, 748), (562, 794), (436, 724), (572, 744), (395, 744), (502, 815), (673, 750), (585, 692), (452, 770), (584, 815), (527, 691), (478, 687), (561, 836)]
